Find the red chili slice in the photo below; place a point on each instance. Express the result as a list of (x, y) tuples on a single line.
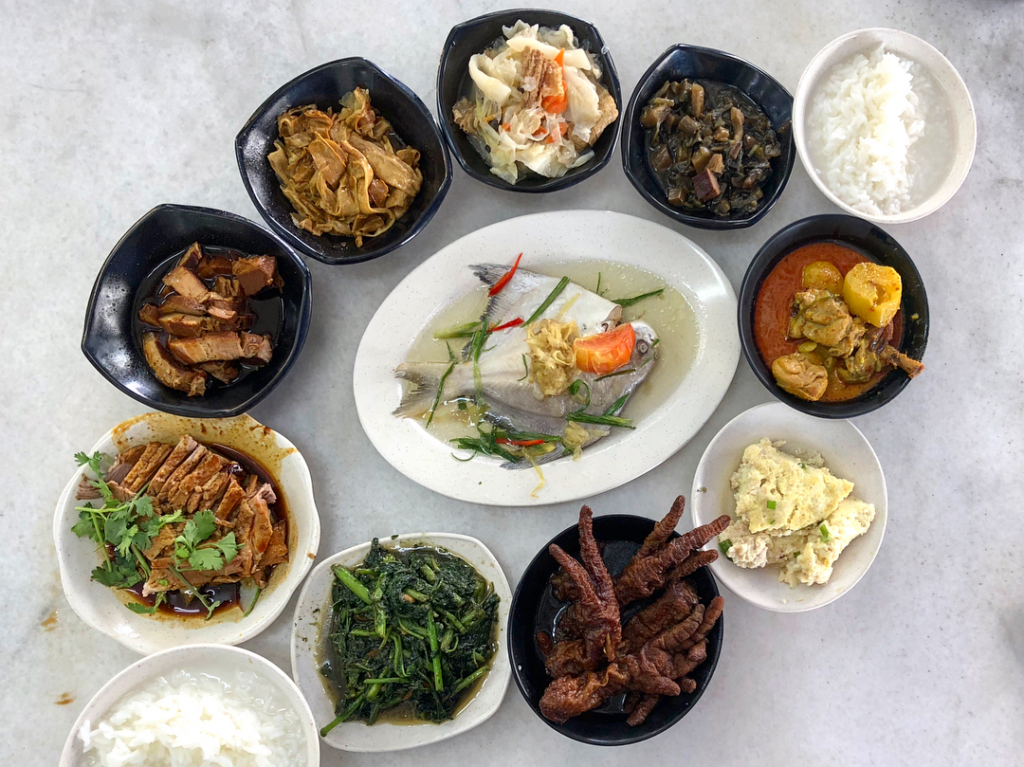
[(510, 324), (519, 442), (505, 278)]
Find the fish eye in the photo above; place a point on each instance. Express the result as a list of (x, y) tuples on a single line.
[(644, 347)]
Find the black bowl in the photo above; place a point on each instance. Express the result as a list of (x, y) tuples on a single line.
[(534, 609), (474, 36), (876, 244), (689, 61), (324, 86), (110, 340)]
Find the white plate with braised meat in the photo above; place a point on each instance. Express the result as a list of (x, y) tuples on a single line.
[(569, 369), (181, 531)]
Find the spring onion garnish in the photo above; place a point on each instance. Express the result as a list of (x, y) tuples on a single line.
[(725, 546), (500, 443), (548, 301), (440, 386), (771, 505), (825, 534), (627, 371), (465, 330), (574, 392), (624, 302), (526, 370), (598, 288), (475, 347), (617, 405), (601, 420)]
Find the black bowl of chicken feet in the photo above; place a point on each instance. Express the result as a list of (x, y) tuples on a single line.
[(615, 628), (214, 354)]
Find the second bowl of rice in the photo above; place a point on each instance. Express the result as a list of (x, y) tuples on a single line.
[(884, 125)]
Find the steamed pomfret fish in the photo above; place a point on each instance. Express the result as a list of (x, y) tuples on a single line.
[(505, 386)]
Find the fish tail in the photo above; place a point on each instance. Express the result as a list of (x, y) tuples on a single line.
[(424, 379)]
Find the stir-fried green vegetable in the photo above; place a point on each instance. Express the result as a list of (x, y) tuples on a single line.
[(408, 626)]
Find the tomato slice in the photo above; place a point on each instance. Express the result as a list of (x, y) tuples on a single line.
[(605, 352)]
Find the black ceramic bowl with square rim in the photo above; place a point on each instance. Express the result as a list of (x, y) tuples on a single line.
[(111, 340), (688, 61), (878, 246), (324, 86), (453, 82), (534, 609)]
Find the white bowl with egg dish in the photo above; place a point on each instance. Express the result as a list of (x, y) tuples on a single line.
[(196, 705), (208, 527), (884, 125), (808, 504)]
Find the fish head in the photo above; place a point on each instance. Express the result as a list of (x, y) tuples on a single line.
[(645, 350)]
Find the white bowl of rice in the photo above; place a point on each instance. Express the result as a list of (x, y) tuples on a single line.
[(196, 705), (884, 125)]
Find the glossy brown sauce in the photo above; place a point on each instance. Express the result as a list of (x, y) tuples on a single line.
[(175, 603), (774, 308)]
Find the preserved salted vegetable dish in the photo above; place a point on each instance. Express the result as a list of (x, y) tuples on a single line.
[(345, 173), (709, 146), (536, 104), (827, 321), (411, 633)]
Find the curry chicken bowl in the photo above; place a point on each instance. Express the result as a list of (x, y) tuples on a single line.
[(833, 316)]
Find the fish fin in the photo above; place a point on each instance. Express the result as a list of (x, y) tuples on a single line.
[(423, 378), (499, 305)]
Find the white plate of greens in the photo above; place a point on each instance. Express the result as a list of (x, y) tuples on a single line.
[(697, 356)]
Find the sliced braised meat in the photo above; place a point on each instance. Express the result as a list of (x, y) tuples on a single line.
[(183, 470), (216, 347), (227, 287), (214, 266), (256, 273), (192, 326), (233, 496), (144, 469), (277, 548), (225, 372), (181, 451), (191, 258), (150, 314), (168, 371), (186, 283), (179, 304), (263, 526), (206, 468)]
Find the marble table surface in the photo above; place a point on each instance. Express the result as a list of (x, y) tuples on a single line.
[(110, 108)]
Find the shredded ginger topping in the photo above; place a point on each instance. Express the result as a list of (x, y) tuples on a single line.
[(553, 360)]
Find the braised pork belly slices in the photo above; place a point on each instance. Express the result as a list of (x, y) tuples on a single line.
[(595, 655), (197, 325), (186, 527)]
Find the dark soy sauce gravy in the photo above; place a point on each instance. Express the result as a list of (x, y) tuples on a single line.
[(177, 604), (267, 309)]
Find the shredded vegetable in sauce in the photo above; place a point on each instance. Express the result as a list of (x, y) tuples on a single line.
[(537, 104)]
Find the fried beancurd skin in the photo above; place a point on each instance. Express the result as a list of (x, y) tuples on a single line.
[(345, 174)]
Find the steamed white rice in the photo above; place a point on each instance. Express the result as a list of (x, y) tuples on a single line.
[(188, 720), (863, 121)]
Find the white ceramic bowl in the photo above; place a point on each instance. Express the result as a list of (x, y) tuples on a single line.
[(212, 659), (104, 608), (847, 454), (952, 88), (307, 640)]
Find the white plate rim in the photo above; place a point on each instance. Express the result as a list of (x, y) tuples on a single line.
[(898, 39), (420, 457), (300, 647), (738, 579), (83, 597)]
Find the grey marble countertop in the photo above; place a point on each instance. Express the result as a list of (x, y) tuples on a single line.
[(109, 108)]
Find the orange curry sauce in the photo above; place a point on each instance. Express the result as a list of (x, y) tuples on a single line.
[(774, 308)]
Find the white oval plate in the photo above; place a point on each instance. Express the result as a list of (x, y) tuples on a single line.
[(546, 238), (314, 607), (205, 658), (953, 88), (104, 610), (847, 454)]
